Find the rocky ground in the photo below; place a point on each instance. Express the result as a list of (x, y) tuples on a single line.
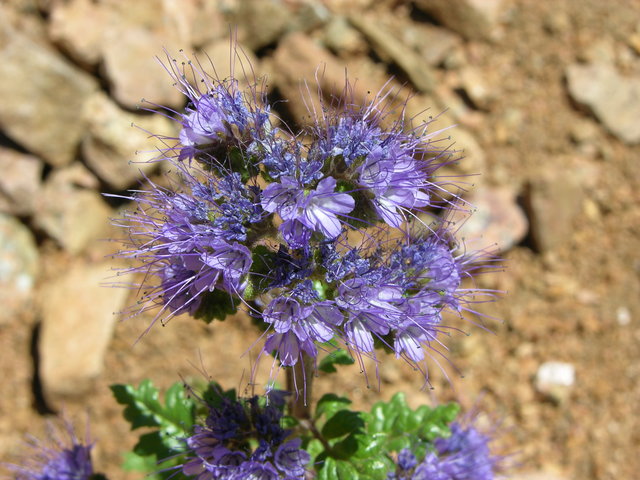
[(546, 99)]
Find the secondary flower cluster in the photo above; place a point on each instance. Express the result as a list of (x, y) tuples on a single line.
[(264, 218), (465, 455), (63, 457), (222, 448)]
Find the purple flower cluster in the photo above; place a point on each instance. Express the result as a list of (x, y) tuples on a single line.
[(222, 448), (267, 219), (63, 458), (465, 455)]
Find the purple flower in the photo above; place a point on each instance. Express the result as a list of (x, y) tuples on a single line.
[(222, 449), (64, 458), (315, 210), (298, 327)]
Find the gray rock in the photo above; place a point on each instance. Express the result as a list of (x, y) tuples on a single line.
[(387, 45), (18, 267), (496, 224), (19, 182), (74, 335), (115, 136), (42, 97), (73, 216), (613, 99), (473, 19)]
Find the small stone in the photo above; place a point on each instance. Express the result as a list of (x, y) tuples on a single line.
[(42, 97), (387, 45), (133, 69), (19, 182), (74, 217), (472, 157), (496, 224), (74, 335), (555, 380), (623, 316), (473, 19), (115, 136), (18, 267), (613, 99), (433, 43)]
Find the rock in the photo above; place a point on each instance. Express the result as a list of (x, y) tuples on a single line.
[(387, 45), (298, 59), (74, 335), (476, 89), (473, 19), (207, 23), (262, 22), (115, 136), (73, 216), (472, 157), (496, 224), (623, 316), (132, 66), (553, 199), (433, 43), (612, 98), (245, 65), (555, 380), (19, 182), (18, 267), (78, 28), (42, 97), (342, 38)]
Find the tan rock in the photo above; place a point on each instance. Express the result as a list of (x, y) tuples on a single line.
[(117, 138), (73, 216), (473, 19), (18, 267), (19, 182), (75, 334), (42, 97)]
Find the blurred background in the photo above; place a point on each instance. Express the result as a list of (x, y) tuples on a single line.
[(545, 96)]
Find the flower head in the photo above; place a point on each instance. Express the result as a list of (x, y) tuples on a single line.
[(222, 448), (64, 457)]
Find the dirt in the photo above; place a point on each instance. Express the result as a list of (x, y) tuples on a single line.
[(558, 305)]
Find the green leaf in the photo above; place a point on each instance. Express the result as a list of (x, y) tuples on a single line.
[(216, 305), (339, 357), (346, 471), (141, 404), (329, 404), (342, 423), (328, 470)]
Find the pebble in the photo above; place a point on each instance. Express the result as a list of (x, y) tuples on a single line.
[(623, 316), (342, 38), (19, 182), (47, 124), (614, 99), (476, 88), (115, 136), (74, 335), (75, 217), (18, 267), (555, 380), (244, 64), (261, 23)]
